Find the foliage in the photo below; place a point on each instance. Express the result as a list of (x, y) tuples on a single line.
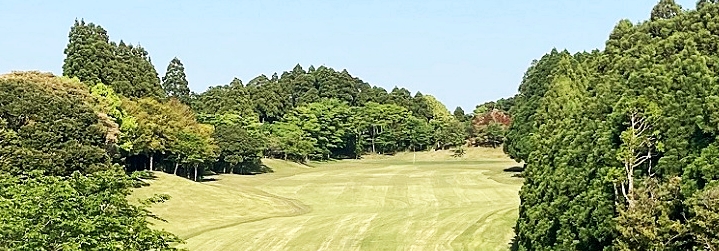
[(78, 212), (490, 128), (174, 83), (49, 124), (58, 190), (92, 58), (620, 144)]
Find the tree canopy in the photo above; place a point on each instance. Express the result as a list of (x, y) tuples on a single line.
[(617, 143)]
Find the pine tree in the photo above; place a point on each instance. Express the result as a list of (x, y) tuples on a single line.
[(87, 53), (174, 83), (92, 58)]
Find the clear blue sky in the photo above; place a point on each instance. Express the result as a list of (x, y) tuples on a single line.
[(464, 52)]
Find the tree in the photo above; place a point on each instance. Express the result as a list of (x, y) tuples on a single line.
[(78, 212), (533, 87), (193, 146), (233, 98), (174, 83), (92, 58), (459, 114), (704, 3), (420, 107), (87, 53), (327, 122), (620, 145), (50, 125), (490, 128), (58, 188), (289, 141), (665, 9), (240, 145)]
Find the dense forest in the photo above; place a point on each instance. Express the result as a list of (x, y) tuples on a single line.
[(301, 115), (72, 147), (620, 144)]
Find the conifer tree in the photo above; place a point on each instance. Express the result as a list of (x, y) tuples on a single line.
[(87, 53), (174, 83)]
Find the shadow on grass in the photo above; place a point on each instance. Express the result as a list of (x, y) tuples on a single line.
[(140, 178), (252, 170), (514, 169), (514, 243), (513, 246), (517, 170)]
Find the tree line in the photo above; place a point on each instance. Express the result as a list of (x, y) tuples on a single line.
[(314, 114), (71, 146), (620, 145)]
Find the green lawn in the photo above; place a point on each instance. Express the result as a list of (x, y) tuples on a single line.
[(427, 201)]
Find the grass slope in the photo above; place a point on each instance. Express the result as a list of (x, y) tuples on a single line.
[(427, 201)]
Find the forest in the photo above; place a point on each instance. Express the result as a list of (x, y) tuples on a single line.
[(72, 147), (620, 145)]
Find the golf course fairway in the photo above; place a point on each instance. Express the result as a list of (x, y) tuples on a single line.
[(422, 201)]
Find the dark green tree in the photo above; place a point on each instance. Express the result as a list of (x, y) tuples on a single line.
[(174, 83), (459, 114), (92, 58), (88, 53), (665, 9)]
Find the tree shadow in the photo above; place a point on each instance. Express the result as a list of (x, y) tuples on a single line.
[(514, 169), (513, 244), (517, 170), (208, 179)]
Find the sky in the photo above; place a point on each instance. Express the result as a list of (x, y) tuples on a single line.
[(464, 52)]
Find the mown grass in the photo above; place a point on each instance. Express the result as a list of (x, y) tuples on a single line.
[(422, 201)]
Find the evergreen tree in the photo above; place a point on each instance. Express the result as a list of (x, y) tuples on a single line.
[(92, 58), (459, 114), (174, 83), (665, 9), (88, 53)]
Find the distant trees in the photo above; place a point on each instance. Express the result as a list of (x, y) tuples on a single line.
[(490, 128), (313, 114)]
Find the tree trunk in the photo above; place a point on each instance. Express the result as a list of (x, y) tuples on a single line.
[(195, 172), (177, 165), (151, 159)]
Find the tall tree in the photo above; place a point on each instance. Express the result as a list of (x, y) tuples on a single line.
[(174, 83), (92, 58), (88, 53)]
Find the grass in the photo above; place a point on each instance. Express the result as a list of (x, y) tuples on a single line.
[(427, 201)]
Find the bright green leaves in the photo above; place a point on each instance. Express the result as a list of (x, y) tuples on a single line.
[(78, 212), (58, 190), (665, 9)]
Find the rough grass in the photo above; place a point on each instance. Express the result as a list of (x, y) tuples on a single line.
[(427, 201)]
